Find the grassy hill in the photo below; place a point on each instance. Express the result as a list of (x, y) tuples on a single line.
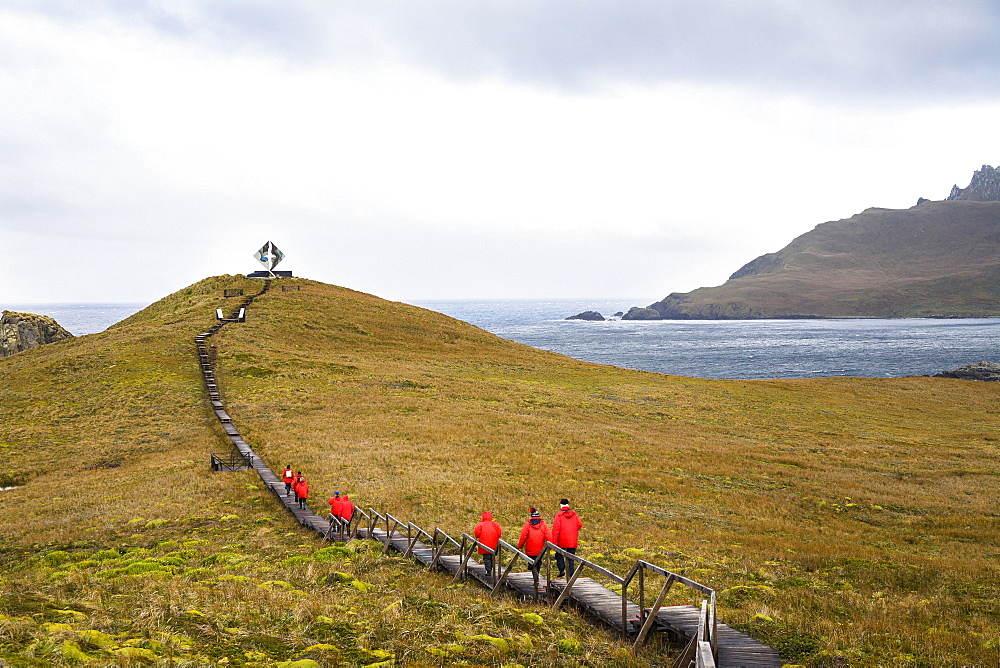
[(935, 259), (843, 520)]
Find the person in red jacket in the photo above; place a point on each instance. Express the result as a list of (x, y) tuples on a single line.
[(289, 478), (346, 509), (533, 537), (302, 491), (565, 529), (299, 479), (488, 533), (335, 504)]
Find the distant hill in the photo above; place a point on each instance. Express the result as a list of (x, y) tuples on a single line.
[(936, 259)]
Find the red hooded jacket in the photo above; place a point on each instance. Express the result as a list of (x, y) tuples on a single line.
[(533, 537), (336, 503), (302, 489), (565, 528), (346, 509), (487, 532)]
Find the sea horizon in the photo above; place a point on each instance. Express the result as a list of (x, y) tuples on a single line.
[(737, 349)]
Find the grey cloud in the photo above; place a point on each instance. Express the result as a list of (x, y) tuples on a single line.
[(922, 49), (820, 48)]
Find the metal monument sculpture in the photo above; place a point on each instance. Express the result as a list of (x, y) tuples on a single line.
[(269, 256)]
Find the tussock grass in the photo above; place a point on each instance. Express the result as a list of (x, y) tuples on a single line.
[(841, 520)]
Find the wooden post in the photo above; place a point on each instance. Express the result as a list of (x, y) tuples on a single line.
[(625, 584), (438, 551), (688, 655), (705, 657), (715, 628), (412, 540), (548, 567), (642, 596), (463, 559), (328, 531), (651, 618), (503, 578), (534, 579), (569, 586), (388, 533)]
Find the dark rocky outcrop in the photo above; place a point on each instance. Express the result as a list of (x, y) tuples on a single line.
[(984, 187), (21, 331), (758, 265), (989, 371), (638, 313), (587, 315)]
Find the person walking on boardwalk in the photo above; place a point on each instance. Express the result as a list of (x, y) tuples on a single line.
[(533, 537), (335, 505), (565, 529), (289, 477), (302, 492), (299, 479), (488, 533), (346, 509)]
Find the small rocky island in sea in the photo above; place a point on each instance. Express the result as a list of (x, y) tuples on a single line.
[(587, 315), (989, 371), (21, 331)]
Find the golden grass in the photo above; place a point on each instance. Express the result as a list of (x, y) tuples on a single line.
[(843, 520), (119, 528)]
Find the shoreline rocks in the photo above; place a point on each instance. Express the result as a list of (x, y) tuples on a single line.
[(639, 313), (22, 331), (986, 371)]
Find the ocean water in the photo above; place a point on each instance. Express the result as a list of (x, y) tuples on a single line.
[(80, 319), (703, 348), (738, 348)]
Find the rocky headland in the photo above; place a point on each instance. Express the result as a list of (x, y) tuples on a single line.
[(935, 259), (989, 371), (984, 186), (21, 331)]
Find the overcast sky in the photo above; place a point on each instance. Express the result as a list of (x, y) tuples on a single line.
[(463, 149)]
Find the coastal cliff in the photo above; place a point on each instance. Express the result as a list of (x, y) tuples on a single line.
[(21, 331), (936, 259)]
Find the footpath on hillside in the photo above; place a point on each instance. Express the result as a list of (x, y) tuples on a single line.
[(705, 640)]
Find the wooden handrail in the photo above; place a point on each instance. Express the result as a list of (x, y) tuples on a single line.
[(517, 552), (708, 591), (617, 579), (389, 530), (478, 544), (420, 532), (448, 538), (439, 551)]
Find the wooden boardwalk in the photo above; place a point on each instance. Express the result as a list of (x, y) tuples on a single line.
[(683, 623), (735, 649)]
